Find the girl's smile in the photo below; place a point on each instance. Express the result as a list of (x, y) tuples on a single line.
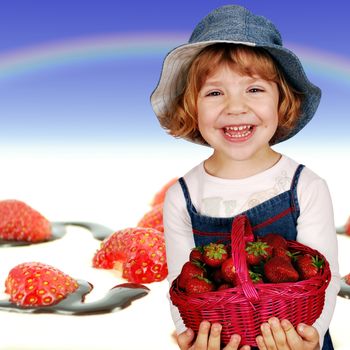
[(238, 116)]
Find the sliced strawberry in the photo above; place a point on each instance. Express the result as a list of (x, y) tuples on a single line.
[(20, 222), (34, 284), (198, 284), (113, 249), (347, 227), (160, 195), (214, 254), (308, 266), (153, 218), (190, 269), (278, 270), (140, 252)]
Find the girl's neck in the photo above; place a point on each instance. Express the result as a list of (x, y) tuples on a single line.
[(240, 169)]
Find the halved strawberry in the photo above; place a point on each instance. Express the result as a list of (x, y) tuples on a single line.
[(113, 249), (347, 227), (214, 254), (160, 195), (20, 222), (34, 284), (308, 266), (153, 218), (140, 252)]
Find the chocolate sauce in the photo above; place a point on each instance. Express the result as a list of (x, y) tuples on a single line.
[(119, 296), (59, 229), (98, 231), (344, 289)]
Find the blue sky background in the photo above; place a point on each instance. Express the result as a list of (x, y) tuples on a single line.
[(103, 98)]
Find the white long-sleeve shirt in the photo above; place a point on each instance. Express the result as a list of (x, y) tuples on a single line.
[(217, 197)]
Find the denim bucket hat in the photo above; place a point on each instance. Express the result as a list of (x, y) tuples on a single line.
[(233, 24)]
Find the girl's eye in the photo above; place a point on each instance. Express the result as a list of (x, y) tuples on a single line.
[(214, 93), (255, 90)]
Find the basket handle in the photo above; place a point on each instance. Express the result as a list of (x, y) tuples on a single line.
[(241, 233)]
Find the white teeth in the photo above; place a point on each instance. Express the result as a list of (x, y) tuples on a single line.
[(237, 128), (239, 131)]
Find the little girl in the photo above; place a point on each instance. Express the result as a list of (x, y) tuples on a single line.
[(235, 88)]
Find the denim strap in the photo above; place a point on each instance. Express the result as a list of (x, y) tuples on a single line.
[(293, 190), (190, 206)]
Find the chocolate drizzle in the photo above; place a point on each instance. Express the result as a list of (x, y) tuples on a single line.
[(119, 296)]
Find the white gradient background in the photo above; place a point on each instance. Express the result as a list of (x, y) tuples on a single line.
[(78, 137)]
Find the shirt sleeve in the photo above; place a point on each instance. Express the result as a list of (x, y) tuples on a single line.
[(316, 229), (178, 241)]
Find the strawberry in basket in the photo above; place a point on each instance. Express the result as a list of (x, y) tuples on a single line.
[(270, 277)]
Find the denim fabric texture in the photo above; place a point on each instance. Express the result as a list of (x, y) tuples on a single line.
[(233, 24), (276, 215)]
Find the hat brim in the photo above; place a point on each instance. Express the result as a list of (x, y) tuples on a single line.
[(177, 63)]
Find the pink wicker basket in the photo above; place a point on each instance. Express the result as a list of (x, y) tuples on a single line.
[(242, 309)]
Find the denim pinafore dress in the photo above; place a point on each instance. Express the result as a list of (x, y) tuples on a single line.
[(276, 215)]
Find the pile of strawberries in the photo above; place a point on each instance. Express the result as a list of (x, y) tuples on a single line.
[(211, 267)]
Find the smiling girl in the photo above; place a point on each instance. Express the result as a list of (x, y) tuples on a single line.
[(235, 88)]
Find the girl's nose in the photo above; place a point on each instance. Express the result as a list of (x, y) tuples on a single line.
[(235, 105)]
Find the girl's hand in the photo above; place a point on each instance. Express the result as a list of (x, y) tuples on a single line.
[(276, 335), (208, 338)]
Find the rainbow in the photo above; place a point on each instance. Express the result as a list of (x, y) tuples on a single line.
[(117, 47)]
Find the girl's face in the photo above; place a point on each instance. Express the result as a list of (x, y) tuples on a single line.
[(237, 114)]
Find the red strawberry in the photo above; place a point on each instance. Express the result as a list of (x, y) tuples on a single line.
[(217, 276), (214, 254), (255, 277), (141, 251), (190, 269), (224, 286), (196, 254), (347, 278), (257, 252), (153, 218), (20, 222), (278, 270), (198, 284), (274, 240), (284, 253), (229, 271), (347, 227), (35, 284), (160, 195), (308, 266), (113, 249)]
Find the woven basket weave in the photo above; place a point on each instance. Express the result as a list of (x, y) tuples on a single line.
[(242, 309)]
